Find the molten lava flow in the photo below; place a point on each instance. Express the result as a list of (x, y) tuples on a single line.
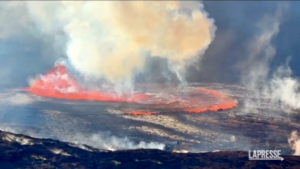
[(223, 102), (58, 83), (143, 113)]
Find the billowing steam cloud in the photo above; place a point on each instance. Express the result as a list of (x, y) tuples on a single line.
[(284, 88), (100, 140), (108, 142), (115, 37), (255, 70), (261, 53), (278, 86), (112, 39), (294, 142)]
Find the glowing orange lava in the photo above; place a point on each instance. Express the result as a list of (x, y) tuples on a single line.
[(143, 113), (224, 103), (58, 83)]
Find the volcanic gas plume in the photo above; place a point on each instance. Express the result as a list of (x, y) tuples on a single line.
[(58, 83), (112, 40), (115, 47)]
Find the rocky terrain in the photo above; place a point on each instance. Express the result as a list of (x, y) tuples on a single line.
[(20, 151), (263, 125), (222, 138)]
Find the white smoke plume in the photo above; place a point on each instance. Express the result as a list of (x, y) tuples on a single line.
[(278, 86), (261, 53), (294, 142), (104, 141), (284, 88), (108, 142), (111, 39)]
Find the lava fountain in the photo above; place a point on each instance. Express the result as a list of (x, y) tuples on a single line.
[(58, 83)]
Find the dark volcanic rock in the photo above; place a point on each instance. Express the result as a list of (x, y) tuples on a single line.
[(19, 151)]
